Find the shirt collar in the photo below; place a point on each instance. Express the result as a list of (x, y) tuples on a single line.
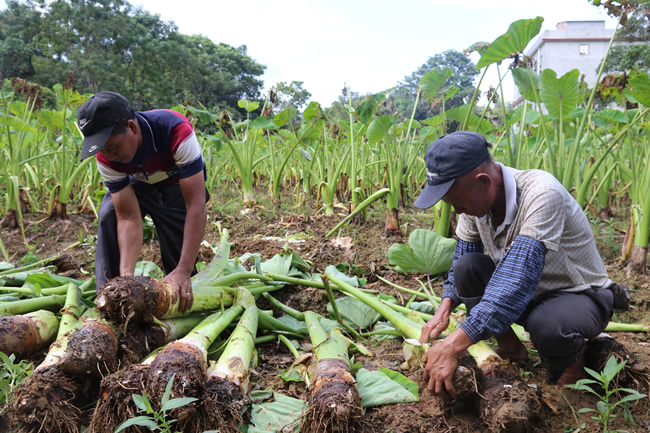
[(512, 207)]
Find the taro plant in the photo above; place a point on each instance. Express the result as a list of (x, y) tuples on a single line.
[(612, 399), (156, 420)]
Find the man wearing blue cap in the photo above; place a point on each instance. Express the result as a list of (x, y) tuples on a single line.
[(525, 254), (151, 163)]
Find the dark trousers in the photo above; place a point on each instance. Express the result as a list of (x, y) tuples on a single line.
[(559, 323), (166, 207)]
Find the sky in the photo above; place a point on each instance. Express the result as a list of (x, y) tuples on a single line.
[(368, 45)]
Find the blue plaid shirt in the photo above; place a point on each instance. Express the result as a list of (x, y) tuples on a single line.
[(509, 291)]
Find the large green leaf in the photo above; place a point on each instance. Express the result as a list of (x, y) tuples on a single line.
[(276, 414), (379, 128), (429, 253), (367, 108), (434, 81), (526, 80), (385, 387), (640, 88), (263, 123), (312, 111), (248, 105), (356, 313), (512, 42), (148, 269), (559, 95), (284, 116)]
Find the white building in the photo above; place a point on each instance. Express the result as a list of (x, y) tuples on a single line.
[(572, 45)]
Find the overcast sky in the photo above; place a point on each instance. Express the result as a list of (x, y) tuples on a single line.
[(369, 44)]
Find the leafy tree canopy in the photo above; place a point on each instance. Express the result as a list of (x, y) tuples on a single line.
[(111, 45)]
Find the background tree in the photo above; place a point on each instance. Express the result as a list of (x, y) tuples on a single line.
[(635, 54), (463, 78), (110, 45)]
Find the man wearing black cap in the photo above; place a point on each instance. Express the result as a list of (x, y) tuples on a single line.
[(525, 254), (151, 163)]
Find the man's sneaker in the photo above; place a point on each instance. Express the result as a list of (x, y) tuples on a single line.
[(621, 297)]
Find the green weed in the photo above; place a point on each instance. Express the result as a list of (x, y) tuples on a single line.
[(11, 375), (608, 407), (156, 420)]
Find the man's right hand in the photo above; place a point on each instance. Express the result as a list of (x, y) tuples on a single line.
[(438, 323)]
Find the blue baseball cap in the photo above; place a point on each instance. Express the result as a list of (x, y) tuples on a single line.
[(448, 158)]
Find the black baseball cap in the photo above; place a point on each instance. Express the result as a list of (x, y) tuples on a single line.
[(98, 117), (448, 158)]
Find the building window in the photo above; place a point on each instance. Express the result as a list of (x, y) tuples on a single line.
[(584, 49)]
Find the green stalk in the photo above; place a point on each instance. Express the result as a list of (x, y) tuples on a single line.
[(23, 306), (234, 362), (627, 327), (360, 208), (70, 315), (298, 315), (330, 296), (408, 327), (31, 266)]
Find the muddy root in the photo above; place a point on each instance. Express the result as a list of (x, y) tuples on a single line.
[(138, 342), (221, 406), (634, 375), (115, 404), (187, 365), (19, 335), (334, 401), (91, 351), (507, 404), (130, 298), (46, 401)]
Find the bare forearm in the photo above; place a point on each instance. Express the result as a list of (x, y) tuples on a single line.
[(129, 238), (192, 237)]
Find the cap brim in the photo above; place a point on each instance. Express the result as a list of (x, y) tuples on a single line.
[(95, 143), (431, 195)]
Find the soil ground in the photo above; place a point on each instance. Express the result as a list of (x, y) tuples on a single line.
[(266, 230)]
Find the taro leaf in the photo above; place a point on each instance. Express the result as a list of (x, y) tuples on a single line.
[(50, 280), (609, 117), (5, 266), (512, 42), (434, 81), (353, 281), (356, 313), (474, 123), (559, 95), (526, 80), (367, 108), (148, 269), (284, 116), (385, 387), (429, 253), (327, 324), (280, 264), (640, 88), (297, 325), (379, 128), (312, 111), (423, 307), (248, 105), (29, 259), (263, 123), (291, 374), (386, 326), (275, 414)]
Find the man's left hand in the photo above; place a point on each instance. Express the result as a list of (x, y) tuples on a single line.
[(180, 281)]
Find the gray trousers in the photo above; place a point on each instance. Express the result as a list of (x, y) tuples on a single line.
[(559, 323), (166, 207)]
